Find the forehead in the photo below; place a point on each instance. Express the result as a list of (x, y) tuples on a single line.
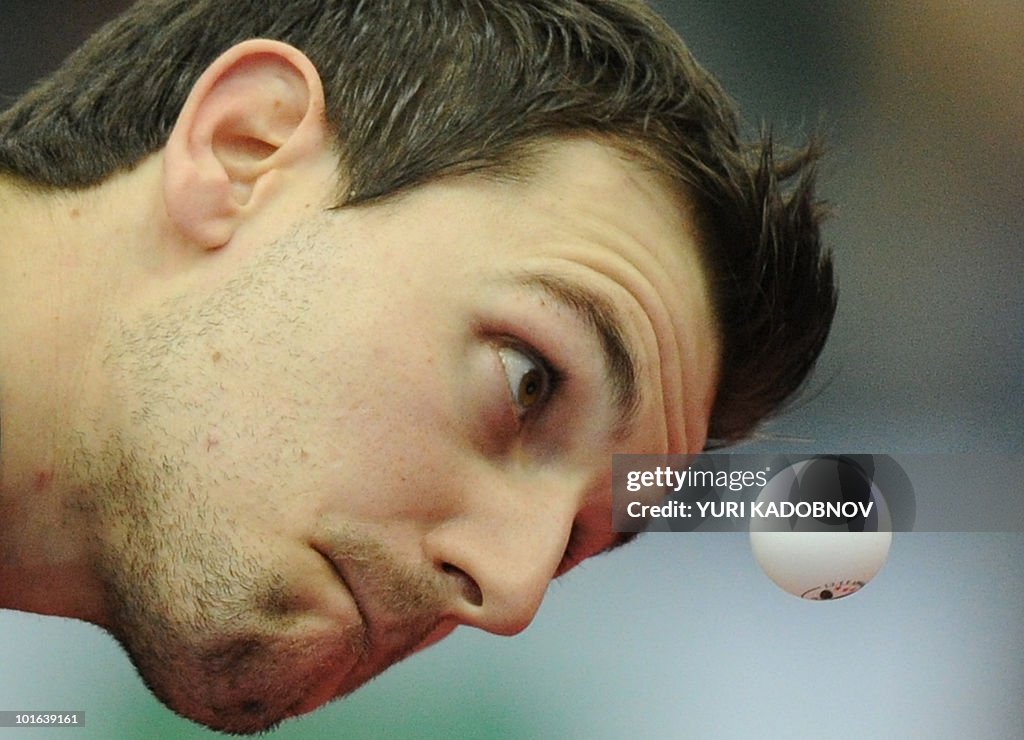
[(613, 214), (587, 217)]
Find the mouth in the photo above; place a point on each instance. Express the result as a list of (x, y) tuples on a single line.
[(337, 565), (359, 643), (399, 613), (399, 608)]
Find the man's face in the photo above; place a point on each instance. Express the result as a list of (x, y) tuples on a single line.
[(330, 449)]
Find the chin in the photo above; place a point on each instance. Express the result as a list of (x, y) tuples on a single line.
[(248, 711), (259, 707), (244, 684)]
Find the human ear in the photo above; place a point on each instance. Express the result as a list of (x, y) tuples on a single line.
[(255, 112)]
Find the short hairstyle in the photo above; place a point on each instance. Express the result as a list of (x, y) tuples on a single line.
[(417, 90)]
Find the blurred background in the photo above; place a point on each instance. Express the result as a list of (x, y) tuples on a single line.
[(679, 635)]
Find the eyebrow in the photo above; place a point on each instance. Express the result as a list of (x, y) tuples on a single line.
[(622, 367)]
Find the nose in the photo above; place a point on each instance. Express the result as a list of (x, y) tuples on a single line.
[(499, 560)]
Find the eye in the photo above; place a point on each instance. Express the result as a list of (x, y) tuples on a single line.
[(530, 380)]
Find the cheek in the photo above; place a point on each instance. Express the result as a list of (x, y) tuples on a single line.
[(394, 426)]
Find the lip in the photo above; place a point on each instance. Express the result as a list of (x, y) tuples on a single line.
[(339, 571), (386, 632), (386, 637)]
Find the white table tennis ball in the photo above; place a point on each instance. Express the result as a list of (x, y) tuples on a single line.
[(821, 565), (814, 558)]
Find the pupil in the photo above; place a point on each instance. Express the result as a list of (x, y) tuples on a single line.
[(528, 388), (826, 594)]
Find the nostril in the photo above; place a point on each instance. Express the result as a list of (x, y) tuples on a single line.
[(468, 587)]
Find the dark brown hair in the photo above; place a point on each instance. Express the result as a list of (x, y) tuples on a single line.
[(422, 89)]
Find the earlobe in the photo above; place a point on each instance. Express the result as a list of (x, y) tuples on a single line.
[(256, 111)]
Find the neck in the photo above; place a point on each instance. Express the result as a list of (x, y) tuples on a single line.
[(48, 313)]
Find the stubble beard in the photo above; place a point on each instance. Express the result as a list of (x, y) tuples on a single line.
[(210, 620), (213, 631)]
